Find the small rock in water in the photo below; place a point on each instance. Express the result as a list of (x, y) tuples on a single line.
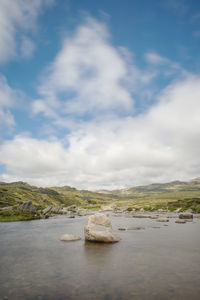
[(122, 228), (69, 237), (162, 220), (135, 228), (180, 221), (186, 216)]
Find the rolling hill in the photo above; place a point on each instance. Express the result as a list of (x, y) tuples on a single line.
[(172, 195)]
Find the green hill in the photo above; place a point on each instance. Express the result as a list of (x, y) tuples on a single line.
[(19, 192), (168, 196)]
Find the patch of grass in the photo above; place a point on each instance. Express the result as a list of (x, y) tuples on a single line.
[(92, 207), (129, 208), (16, 214), (185, 204), (15, 218)]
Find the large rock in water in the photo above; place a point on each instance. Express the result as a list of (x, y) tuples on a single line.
[(98, 229)]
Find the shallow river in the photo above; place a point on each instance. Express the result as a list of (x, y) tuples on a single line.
[(154, 263)]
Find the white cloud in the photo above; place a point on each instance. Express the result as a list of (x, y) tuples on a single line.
[(89, 75), (17, 17), (159, 145)]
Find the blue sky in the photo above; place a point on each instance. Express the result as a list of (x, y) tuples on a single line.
[(99, 94)]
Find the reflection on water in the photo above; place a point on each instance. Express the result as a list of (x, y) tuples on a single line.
[(98, 254), (148, 264)]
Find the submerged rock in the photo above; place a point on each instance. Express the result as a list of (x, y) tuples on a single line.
[(69, 237), (98, 229)]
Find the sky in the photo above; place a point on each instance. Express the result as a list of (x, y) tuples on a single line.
[(99, 94)]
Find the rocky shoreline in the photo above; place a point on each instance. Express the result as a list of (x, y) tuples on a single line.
[(27, 211)]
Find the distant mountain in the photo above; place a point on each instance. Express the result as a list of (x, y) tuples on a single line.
[(194, 181), (174, 186)]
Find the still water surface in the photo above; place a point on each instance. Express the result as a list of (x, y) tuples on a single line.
[(155, 263)]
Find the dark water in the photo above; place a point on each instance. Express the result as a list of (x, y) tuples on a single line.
[(155, 263)]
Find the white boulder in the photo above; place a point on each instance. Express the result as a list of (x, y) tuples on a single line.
[(98, 229)]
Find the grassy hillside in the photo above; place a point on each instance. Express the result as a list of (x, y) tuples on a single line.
[(20, 192), (169, 196)]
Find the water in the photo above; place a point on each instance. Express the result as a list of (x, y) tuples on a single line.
[(155, 263)]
